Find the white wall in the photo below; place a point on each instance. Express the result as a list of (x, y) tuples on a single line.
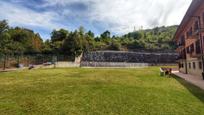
[(197, 71)]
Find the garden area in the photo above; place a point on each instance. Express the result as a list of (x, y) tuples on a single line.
[(90, 91)]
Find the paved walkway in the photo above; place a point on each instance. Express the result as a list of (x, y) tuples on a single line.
[(197, 81)]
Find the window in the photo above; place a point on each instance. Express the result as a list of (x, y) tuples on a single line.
[(181, 65), (187, 35), (189, 65), (203, 18), (188, 50), (194, 65), (182, 41), (198, 48), (196, 26), (192, 48), (200, 65), (190, 32)]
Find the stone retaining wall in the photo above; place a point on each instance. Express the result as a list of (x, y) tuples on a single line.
[(126, 59)]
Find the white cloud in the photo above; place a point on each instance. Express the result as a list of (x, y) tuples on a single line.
[(119, 16), (22, 16), (125, 14)]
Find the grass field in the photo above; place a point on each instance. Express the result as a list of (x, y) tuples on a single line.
[(79, 91)]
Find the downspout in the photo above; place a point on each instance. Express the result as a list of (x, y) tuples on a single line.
[(186, 64)]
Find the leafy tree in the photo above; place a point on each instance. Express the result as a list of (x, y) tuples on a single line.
[(115, 46), (46, 48), (59, 35), (26, 40), (3, 26), (91, 34), (57, 39), (88, 42), (81, 30), (73, 44), (5, 43), (106, 35), (5, 46), (5, 38)]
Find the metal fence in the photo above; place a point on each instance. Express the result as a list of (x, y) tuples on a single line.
[(13, 61)]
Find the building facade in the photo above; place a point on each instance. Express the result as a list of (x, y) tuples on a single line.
[(190, 40)]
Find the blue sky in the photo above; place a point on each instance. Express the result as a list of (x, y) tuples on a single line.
[(117, 16)]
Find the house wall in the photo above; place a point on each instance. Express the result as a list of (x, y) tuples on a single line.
[(194, 71), (197, 71), (183, 68)]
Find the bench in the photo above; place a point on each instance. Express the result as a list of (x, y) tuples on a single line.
[(165, 71)]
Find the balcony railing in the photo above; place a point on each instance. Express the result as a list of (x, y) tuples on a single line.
[(195, 34), (194, 55), (181, 45), (181, 58)]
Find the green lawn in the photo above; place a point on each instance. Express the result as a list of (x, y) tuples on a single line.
[(79, 91)]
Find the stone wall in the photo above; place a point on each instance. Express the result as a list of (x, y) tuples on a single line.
[(102, 58)]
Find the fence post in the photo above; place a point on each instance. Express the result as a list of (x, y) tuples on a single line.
[(4, 68), (54, 60), (18, 59)]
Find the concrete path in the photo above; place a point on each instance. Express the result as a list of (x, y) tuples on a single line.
[(197, 81)]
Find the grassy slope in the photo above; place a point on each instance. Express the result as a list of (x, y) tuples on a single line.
[(97, 91)]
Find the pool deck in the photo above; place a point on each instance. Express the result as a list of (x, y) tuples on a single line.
[(197, 81)]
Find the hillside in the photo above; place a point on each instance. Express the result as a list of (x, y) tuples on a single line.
[(75, 42), (159, 38)]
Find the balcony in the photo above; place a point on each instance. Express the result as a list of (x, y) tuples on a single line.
[(195, 34), (180, 46), (181, 57), (194, 55)]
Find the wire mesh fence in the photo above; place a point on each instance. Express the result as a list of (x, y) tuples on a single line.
[(15, 61)]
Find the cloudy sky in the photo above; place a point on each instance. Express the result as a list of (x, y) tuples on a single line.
[(117, 16)]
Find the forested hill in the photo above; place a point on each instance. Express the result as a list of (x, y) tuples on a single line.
[(159, 38), (16, 40)]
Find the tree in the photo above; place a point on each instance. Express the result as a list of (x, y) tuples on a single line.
[(57, 39), (91, 34), (3, 26), (73, 44), (37, 43), (88, 42), (5, 38), (59, 35), (106, 38), (5, 46), (26, 40), (81, 30), (106, 35), (46, 48), (115, 45)]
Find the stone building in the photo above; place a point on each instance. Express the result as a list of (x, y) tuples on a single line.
[(190, 40)]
